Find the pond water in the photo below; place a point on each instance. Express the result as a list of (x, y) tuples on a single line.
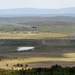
[(25, 48)]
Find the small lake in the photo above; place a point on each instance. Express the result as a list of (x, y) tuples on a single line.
[(25, 48)]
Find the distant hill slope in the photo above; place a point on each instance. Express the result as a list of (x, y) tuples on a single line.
[(42, 26), (59, 24), (22, 20), (38, 12)]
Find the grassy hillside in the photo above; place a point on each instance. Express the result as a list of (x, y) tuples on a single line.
[(53, 26), (43, 26)]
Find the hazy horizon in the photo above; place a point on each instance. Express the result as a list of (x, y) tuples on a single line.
[(39, 4), (36, 8)]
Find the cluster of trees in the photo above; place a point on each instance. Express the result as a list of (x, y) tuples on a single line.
[(20, 65), (54, 70)]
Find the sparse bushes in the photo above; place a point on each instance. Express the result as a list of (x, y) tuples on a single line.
[(21, 65), (7, 65)]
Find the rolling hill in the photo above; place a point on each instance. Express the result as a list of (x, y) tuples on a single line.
[(37, 12)]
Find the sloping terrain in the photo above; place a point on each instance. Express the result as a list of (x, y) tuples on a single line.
[(41, 26), (18, 20)]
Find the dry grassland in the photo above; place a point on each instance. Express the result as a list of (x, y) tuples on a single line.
[(68, 57), (30, 35)]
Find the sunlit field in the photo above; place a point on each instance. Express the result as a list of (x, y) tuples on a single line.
[(67, 59), (31, 35), (70, 55)]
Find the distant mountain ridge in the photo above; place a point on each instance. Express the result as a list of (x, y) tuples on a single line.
[(38, 12)]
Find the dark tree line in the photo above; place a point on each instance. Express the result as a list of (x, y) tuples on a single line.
[(54, 70)]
